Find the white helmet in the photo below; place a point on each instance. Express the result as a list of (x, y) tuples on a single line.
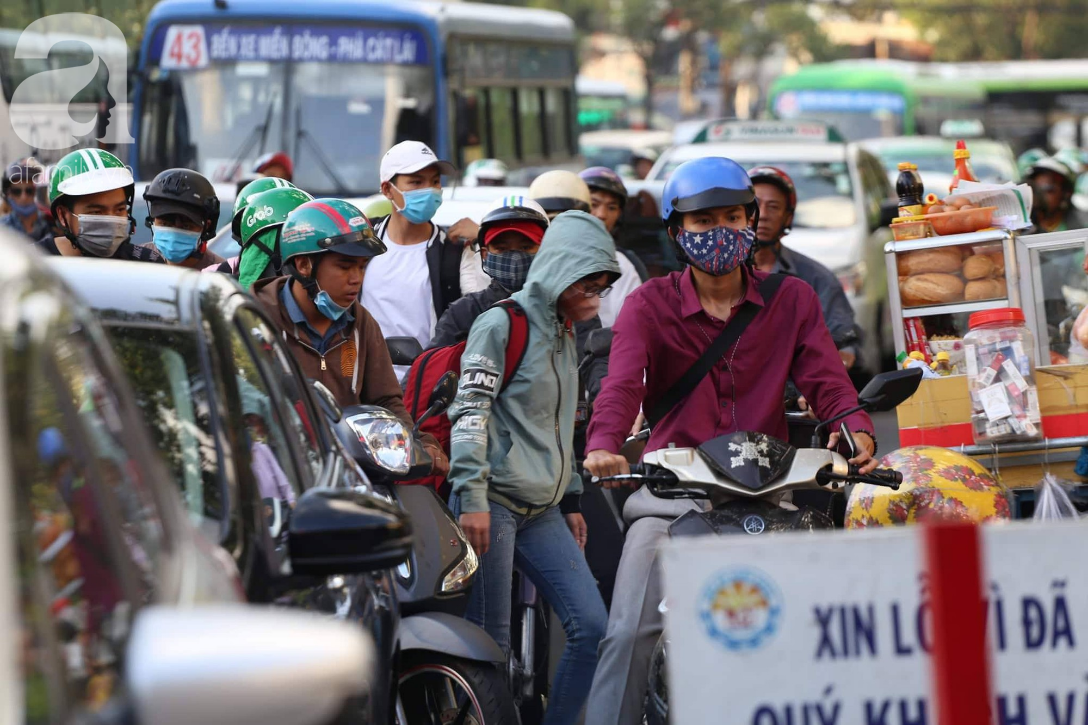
[(485, 170), (512, 209), (559, 191)]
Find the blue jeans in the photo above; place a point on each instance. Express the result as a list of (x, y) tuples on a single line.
[(545, 551)]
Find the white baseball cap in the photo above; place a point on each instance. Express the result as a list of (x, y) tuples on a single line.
[(408, 157)]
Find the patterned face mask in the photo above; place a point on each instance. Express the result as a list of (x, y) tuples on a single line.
[(510, 269), (717, 251)]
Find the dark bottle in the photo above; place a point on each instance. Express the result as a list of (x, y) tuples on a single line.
[(910, 190)]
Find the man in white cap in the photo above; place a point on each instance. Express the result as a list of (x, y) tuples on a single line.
[(409, 287)]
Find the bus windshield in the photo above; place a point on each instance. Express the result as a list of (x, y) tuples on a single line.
[(334, 118)]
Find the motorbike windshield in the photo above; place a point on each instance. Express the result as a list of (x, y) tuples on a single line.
[(751, 459)]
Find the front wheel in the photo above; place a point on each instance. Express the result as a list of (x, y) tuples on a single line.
[(436, 690)]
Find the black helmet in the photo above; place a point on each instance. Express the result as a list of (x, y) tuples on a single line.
[(21, 172), (512, 209), (184, 192), (602, 178)]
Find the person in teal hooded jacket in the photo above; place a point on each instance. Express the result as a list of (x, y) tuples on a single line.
[(515, 489)]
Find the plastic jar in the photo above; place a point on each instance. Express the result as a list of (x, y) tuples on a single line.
[(999, 354)]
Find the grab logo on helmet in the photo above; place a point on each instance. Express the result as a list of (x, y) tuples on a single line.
[(261, 214)]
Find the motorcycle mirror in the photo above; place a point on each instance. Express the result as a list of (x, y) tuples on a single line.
[(599, 342), (441, 397), (444, 391), (887, 390), (403, 350), (328, 403)]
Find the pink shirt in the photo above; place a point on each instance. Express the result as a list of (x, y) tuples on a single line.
[(663, 330)]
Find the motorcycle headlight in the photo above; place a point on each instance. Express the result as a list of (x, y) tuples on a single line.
[(387, 442), (461, 575)]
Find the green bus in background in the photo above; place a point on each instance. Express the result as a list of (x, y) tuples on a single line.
[(872, 99)]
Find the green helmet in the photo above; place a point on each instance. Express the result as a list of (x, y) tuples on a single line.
[(268, 210), (378, 207), (1055, 166), (265, 183), (328, 225), (1026, 160), (1073, 158), (89, 171)]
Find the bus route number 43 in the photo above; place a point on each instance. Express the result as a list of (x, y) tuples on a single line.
[(184, 47)]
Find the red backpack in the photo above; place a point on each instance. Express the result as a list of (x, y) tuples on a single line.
[(433, 364)]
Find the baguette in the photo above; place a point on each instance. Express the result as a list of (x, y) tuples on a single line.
[(984, 289), (978, 266), (931, 289), (924, 261)]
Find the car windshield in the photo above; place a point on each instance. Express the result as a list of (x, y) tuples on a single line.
[(990, 169), (163, 368), (334, 119), (825, 194)]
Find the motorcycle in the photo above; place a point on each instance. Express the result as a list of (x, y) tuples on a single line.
[(449, 669), (748, 479)]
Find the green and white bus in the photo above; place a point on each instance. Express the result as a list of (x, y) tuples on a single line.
[(871, 99)]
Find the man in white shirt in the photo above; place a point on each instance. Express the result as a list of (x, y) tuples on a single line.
[(608, 196), (409, 287)]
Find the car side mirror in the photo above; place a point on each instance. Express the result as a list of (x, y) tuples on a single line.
[(887, 390), (329, 405), (342, 531), (889, 210), (599, 342), (205, 665), (403, 350)]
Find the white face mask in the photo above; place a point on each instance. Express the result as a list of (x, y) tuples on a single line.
[(101, 235)]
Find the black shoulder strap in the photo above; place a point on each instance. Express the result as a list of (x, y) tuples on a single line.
[(725, 340), (449, 270)]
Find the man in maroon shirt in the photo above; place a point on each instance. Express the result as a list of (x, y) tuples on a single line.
[(708, 206)]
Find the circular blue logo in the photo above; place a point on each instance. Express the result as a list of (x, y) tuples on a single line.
[(740, 608)]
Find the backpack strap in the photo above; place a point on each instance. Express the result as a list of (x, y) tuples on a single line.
[(710, 357), (518, 344)]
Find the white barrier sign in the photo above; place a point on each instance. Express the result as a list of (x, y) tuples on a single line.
[(834, 628)]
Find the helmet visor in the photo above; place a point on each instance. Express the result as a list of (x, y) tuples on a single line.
[(713, 198)]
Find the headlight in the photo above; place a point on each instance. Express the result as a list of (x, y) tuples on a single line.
[(387, 442), (852, 279), (460, 575)]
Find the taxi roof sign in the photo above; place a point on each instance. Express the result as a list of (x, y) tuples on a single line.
[(723, 130)]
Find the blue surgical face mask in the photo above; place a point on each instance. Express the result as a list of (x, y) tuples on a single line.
[(420, 205), (23, 210), (176, 245), (717, 251), (325, 305), (510, 269)]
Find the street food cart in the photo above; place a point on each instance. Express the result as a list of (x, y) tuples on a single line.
[(1040, 274)]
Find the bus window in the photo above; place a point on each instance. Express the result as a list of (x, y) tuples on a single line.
[(556, 122), (471, 109), (501, 120), (530, 120)]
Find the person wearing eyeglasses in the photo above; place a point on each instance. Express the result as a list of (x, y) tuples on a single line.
[(20, 195), (512, 467)]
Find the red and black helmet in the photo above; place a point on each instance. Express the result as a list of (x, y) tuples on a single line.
[(778, 177)]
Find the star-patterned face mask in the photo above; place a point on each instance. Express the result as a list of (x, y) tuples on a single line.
[(718, 251)]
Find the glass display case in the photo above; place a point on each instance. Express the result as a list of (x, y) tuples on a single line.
[(1054, 291), (936, 283)]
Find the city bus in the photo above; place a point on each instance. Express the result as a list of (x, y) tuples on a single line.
[(872, 99), (602, 105), (50, 118), (1034, 103), (335, 83)]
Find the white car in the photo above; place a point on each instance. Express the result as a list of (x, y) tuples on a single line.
[(844, 206)]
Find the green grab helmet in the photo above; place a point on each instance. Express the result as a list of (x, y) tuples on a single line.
[(1026, 160), (265, 183), (269, 210), (328, 225), (89, 171), (1055, 166)]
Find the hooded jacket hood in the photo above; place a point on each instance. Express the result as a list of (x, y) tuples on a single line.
[(518, 441), (576, 245)]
